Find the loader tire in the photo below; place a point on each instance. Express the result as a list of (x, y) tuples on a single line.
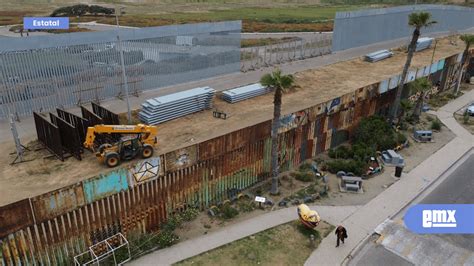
[(112, 159), (147, 151)]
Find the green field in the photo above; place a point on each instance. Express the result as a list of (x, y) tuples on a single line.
[(286, 244), (257, 15)]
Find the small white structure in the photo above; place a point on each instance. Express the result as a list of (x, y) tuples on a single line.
[(184, 40)]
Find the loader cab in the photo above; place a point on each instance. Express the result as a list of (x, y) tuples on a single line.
[(129, 147)]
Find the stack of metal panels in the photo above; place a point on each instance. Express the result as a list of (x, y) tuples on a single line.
[(377, 56), (423, 43), (158, 110), (244, 93)]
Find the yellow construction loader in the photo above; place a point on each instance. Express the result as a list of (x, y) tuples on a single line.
[(135, 140)]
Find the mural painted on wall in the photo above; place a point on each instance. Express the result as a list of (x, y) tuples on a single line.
[(105, 185), (333, 105), (181, 158), (293, 120), (146, 170)]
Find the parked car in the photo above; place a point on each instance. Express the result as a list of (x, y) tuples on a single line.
[(470, 109)]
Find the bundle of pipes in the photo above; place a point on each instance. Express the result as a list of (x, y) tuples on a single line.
[(423, 43), (244, 92), (161, 109), (377, 56)]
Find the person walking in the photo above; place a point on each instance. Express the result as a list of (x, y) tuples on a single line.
[(341, 234)]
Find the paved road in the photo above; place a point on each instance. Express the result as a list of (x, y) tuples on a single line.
[(374, 255), (456, 188)]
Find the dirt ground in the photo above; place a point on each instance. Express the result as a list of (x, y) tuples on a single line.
[(312, 87), (266, 248)]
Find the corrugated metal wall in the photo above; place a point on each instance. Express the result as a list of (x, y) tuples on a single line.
[(358, 28), (53, 227), (61, 70)]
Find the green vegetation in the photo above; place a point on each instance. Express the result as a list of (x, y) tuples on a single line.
[(436, 125), (355, 166), (265, 41), (81, 10), (376, 133), (304, 176), (228, 212), (286, 244), (372, 134)]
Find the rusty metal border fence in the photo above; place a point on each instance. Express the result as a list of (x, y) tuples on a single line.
[(54, 227)]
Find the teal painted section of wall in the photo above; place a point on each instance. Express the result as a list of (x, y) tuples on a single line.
[(104, 185)]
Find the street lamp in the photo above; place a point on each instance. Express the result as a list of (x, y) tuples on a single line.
[(124, 76)]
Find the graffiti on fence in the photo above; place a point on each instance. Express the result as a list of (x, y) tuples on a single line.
[(146, 170), (181, 158), (293, 120)]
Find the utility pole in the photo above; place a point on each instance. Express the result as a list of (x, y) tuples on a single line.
[(124, 76)]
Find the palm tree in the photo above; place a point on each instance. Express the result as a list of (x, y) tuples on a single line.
[(468, 39), (418, 21), (420, 87), (405, 106), (279, 83)]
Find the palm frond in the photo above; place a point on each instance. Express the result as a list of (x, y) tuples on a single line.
[(420, 19)]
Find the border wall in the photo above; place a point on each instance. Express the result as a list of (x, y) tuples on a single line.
[(40, 73), (359, 28), (53, 227)]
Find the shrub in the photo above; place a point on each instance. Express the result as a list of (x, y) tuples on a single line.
[(357, 167), (166, 238), (465, 118), (189, 214), (401, 138), (172, 223), (375, 132), (362, 152), (228, 212), (341, 152), (305, 166), (304, 176), (246, 206), (436, 125)]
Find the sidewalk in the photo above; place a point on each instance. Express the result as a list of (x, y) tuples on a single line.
[(362, 223), (332, 214)]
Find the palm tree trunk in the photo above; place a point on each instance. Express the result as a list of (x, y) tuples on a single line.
[(275, 127), (411, 52), (418, 106), (465, 56)]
